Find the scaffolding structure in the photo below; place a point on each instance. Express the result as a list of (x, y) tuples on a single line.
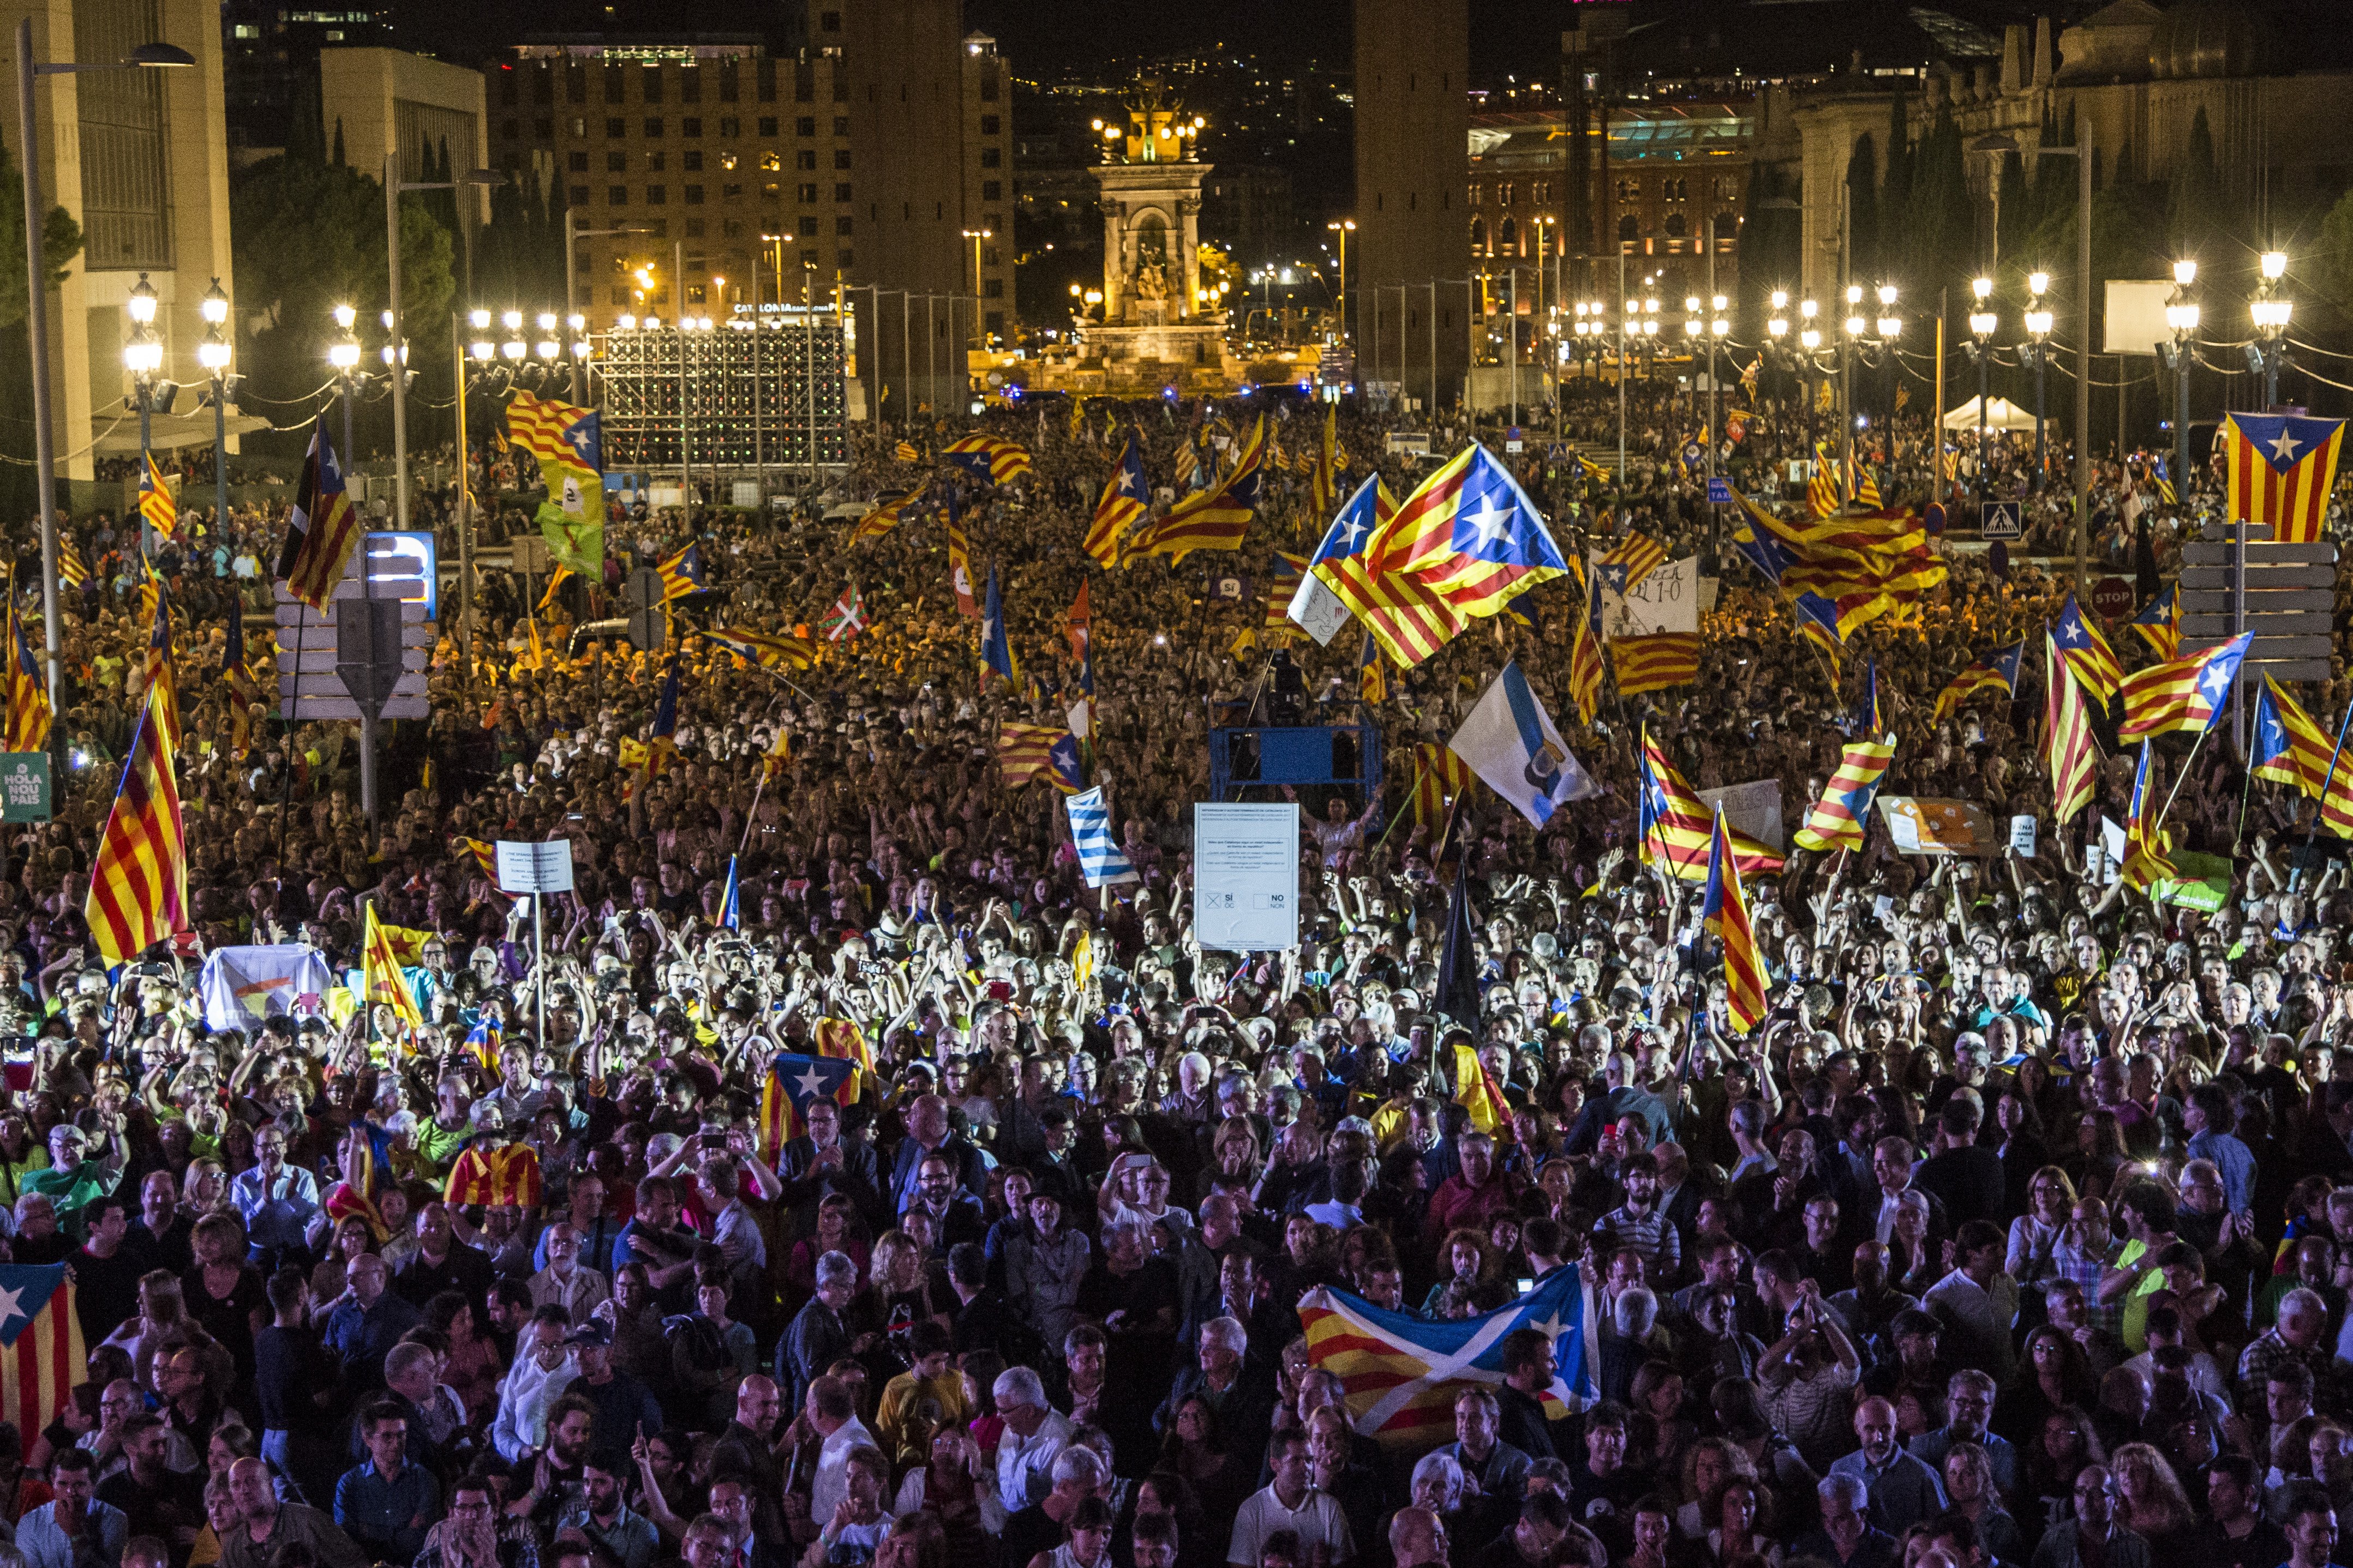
[(748, 395)]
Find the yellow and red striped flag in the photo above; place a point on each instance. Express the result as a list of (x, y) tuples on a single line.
[(2145, 840), (1281, 583), (2159, 622), (1630, 561), (29, 716), (2185, 693), (41, 1351), (1840, 818), (155, 502), (555, 432), (1213, 519), (1656, 662), (496, 1176), (321, 527), (2286, 746), (959, 561), (2087, 653), (1999, 668), (2071, 756), (887, 514), (1399, 1373), (1325, 487), (161, 671), (1674, 827), (1585, 666), (1125, 495), (380, 981), (1723, 911), (138, 885), (2280, 469), (71, 571), (1028, 752), (1438, 775), (1822, 489)]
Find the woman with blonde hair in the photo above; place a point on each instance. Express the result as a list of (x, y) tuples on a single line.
[(2149, 1500)]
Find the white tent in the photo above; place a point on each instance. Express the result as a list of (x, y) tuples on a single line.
[(2001, 413)]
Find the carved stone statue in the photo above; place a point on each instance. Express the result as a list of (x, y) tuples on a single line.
[(1152, 281)]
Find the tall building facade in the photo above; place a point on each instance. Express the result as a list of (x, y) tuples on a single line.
[(758, 178), (269, 49), (904, 63), (140, 159), (1412, 293)]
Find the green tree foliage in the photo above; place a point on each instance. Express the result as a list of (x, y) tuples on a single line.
[(2334, 265), (518, 258), (310, 236), (60, 243), (1936, 243)]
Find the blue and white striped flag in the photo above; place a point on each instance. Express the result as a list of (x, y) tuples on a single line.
[(1099, 854)]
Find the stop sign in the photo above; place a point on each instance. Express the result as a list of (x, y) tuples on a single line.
[(2112, 596)]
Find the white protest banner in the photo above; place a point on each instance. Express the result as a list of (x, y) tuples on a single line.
[(1667, 600), (1246, 876), (534, 867)]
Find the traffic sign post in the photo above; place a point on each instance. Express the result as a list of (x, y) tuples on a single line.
[(648, 618), (2001, 520), (2284, 594), (2112, 597), (1719, 491)]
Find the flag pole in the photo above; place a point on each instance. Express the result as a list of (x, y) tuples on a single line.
[(2158, 826)]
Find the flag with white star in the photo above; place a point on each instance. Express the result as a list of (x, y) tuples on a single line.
[(41, 1354), (2185, 693), (795, 1083), (1401, 1373), (1470, 534), (2282, 468)]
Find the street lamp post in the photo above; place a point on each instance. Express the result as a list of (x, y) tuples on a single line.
[(1809, 343), (396, 352), (1890, 328), (213, 354), (979, 340), (343, 353), (2270, 309), (142, 356), (2082, 152), (2038, 348), (1719, 327), (151, 57), (1343, 228), (2181, 321), (1982, 323)]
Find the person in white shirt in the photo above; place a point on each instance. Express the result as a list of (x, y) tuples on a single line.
[(1034, 1432), (542, 1369), (1976, 1301), (833, 1414), (1290, 1502)]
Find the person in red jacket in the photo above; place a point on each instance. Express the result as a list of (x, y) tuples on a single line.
[(1473, 1194)]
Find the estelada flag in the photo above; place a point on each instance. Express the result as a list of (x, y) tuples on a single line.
[(1399, 1373), (795, 1083), (502, 1174), (41, 1353)]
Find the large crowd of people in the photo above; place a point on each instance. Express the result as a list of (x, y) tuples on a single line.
[(2021, 1231)]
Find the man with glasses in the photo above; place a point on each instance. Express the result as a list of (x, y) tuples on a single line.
[(72, 1181), (2093, 1539), (279, 1204), (1034, 1434), (1968, 1401), (821, 1162), (366, 1322)]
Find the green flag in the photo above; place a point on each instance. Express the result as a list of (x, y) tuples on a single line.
[(572, 518)]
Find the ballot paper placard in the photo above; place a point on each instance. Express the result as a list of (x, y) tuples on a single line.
[(1246, 876), (534, 867)]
